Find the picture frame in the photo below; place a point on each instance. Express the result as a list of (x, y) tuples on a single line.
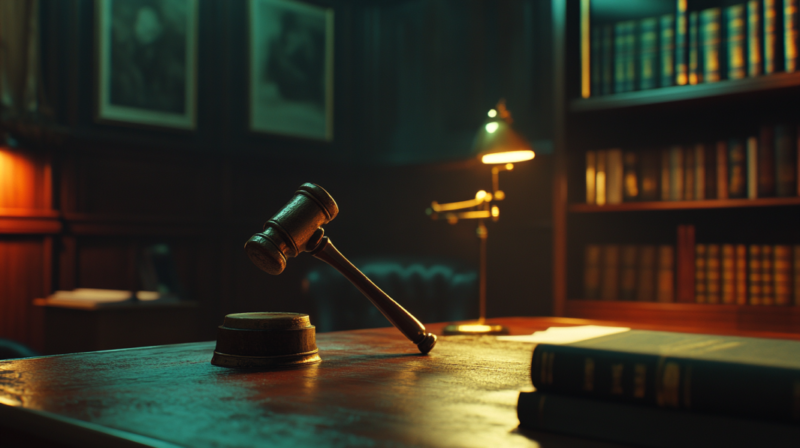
[(291, 69), (147, 62)]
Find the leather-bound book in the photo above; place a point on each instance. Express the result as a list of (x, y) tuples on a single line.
[(735, 37), (751, 167), (614, 174), (767, 287), (591, 272), (631, 37), (648, 54), (728, 274), (646, 275), (665, 174), (667, 50), (666, 274), (695, 69), (765, 165), (710, 44), (754, 274), (710, 171), (737, 169), (701, 252), (741, 273), (785, 161), (609, 277), (713, 274), (649, 175), (630, 181), (699, 172), (591, 177), (676, 173), (601, 181), (596, 62), (782, 274), (627, 283), (681, 44), (755, 61), (722, 169), (770, 37), (608, 60), (790, 33), (688, 173)]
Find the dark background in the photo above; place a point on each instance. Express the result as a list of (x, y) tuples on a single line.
[(413, 82)]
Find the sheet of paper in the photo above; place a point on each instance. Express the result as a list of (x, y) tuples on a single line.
[(565, 335)]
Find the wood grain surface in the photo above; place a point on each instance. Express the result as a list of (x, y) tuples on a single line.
[(373, 388)]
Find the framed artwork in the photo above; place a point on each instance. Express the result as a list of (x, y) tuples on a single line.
[(291, 69), (147, 62)]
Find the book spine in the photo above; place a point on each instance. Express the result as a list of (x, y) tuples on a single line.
[(596, 62), (627, 285), (648, 54), (608, 60), (600, 180), (591, 177), (754, 274), (785, 161), (631, 56), (685, 265), (614, 170), (665, 174), (728, 274), (737, 185), (734, 30), (609, 281), (762, 175), (620, 56), (645, 279), (701, 253), (713, 274), (790, 35), (710, 44), (741, 274), (751, 167), (695, 70), (770, 13), (630, 187), (755, 62), (688, 173), (711, 171), (782, 274), (666, 274), (648, 178), (661, 380), (681, 44), (699, 172), (767, 290), (722, 170), (591, 273), (676, 174), (667, 50)]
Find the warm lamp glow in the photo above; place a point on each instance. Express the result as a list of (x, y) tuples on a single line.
[(480, 195), (495, 211), (491, 127), (492, 113), (508, 156), (474, 328)]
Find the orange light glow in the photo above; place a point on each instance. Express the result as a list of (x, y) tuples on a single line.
[(475, 328), (508, 157), (495, 211)]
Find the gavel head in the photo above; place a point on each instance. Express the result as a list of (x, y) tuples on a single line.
[(294, 229)]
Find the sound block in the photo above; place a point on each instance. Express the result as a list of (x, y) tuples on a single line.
[(250, 340)]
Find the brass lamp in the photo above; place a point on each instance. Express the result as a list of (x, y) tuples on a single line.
[(497, 144)]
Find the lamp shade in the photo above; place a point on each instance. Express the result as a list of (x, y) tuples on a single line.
[(498, 142)]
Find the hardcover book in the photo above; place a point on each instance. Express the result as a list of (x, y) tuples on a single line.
[(591, 177), (755, 61), (600, 182), (735, 32), (728, 274), (646, 276), (785, 161), (681, 44), (701, 253), (688, 173), (620, 56), (609, 279), (737, 166), (627, 285), (608, 60), (596, 62), (676, 173), (665, 174), (741, 273), (648, 53), (767, 289), (591, 272), (782, 274), (713, 274), (710, 44), (699, 172), (666, 274), (770, 27), (754, 274), (630, 185), (763, 173), (722, 169), (790, 35), (695, 70), (614, 170), (667, 50), (648, 179), (711, 171)]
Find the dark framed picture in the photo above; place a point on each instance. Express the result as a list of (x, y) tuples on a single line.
[(291, 69), (147, 62)]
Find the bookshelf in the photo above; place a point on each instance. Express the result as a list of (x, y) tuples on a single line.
[(650, 119)]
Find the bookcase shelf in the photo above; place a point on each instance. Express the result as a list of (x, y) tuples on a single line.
[(727, 90), (684, 205)]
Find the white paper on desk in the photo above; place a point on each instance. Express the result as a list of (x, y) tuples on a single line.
[(565, 335)]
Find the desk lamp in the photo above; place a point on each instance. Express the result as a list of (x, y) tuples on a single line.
[(499, 145)]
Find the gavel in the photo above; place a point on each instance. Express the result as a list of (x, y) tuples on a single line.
[(297, 228)]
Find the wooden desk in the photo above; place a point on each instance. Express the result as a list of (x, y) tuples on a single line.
[(372, 389)]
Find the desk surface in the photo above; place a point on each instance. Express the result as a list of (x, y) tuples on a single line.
[(372, 389)]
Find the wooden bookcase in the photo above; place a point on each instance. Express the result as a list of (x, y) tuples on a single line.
[(651, 119)]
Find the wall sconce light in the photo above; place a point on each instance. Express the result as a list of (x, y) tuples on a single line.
[(497, 144)]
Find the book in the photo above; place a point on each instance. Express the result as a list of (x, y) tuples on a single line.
[(681, 44), (649, 176), (676, 173), (725, 375), (737, 165), (600, 180), (761, 174), (608, 60), (700, 273), (627, 283), (782, 274), (591, 272), (646, 275), (646, 426), (785, 161), (614, 170), (688, 173), (596, 61), (751, 167), (648, 53), (754, 32), (695, 71), (665, 176), (665, 280), (591, 177), (767, 290), (667, 50), (699, 172), (790, 28), (770, 29), (609, 277), (728, 274), (685, 264), (754, 274), (709, 45), (740, 267), (735, 33), (631, 56), (710, 172), (630, 184), (722, 169), (713, 273)]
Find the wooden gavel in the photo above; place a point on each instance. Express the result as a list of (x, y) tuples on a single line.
[(296, 228)]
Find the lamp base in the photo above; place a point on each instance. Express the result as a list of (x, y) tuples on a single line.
[(476, 328)]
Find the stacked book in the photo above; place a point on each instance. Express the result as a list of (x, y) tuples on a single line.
[(690, 47), (666, 389), (758, 166)]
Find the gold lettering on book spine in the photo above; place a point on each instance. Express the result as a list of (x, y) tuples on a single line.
[(668, 381), (639, 380), (588, 374), (616, 378)]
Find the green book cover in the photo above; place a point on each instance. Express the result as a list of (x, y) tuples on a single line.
[(695, 70), (608, 60), (666, 50), (790, 35), (648, 54), (681, 45), (754, 32), (620, 57), (596, 63), (727, 375), (630, 56), (710, 44), (770, 35), (734, 31)]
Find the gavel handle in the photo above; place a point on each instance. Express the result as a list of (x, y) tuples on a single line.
[(397, 315)]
